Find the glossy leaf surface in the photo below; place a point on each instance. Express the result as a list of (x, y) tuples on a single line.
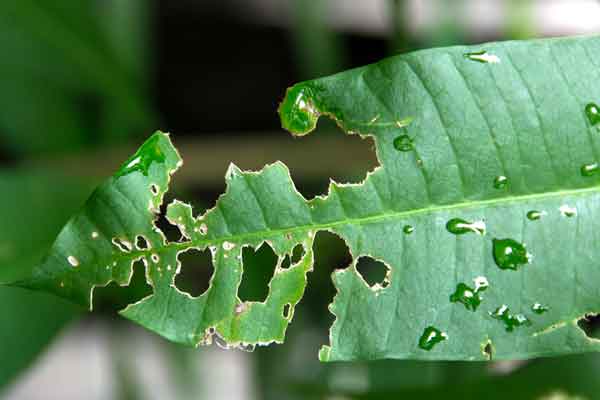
[(496, 131)]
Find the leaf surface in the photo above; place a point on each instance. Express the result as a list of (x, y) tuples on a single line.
[(482, 211)]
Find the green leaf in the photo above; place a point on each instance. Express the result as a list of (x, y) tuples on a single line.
[(66, 75), (470, 140), (31, 220)]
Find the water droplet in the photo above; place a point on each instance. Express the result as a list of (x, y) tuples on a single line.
[(589, 169), (509, 253), (95, 235), (73, 261), (459, 226), (483, 57), (297, 111), (500, 182), (539, 308), (467, 296), (149, 153), (567, 211), (408, 229), (593, 113), (430, 337), (534, 215), (404, 143), (481, 283), (511, 321)]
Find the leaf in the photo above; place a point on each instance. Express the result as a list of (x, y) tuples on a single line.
[(479, 212), (66, 76), (31, 320)]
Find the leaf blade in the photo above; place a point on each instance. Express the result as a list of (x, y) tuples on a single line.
[(520, 118)]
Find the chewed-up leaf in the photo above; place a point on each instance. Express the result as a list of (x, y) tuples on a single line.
[(472, 141)]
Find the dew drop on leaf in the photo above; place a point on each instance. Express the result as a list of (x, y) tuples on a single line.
[(298, 113), (408, 229), (459, 226), (510, 321), (539, 308), (467, 296), (510, 254), (481, 283), (500, 182), (483, 57), (593, 113), (589, 169), (430, 337), (534, 215), (404, 143)]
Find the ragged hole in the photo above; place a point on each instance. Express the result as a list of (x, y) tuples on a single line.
[(259, 267), (297, 254), (122, 244), (373, 271), (195, 272), (487, 350), (114, 297), (141, 243), (170, 231), (286, 310), (590, 324), (331, 253), (346, 163)]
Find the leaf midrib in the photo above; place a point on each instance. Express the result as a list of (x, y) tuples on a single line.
[(182, 246)]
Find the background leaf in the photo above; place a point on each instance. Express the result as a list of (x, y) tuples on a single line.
[(30, 222)]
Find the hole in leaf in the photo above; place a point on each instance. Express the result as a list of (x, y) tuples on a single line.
[(297, 254), (122, 244), (286, 310), (141, 243), (372, 271), (590, 324), (170, 231), (331, 253), (487, 350), (114, 297), (195, 272), (286, 263), (259, 267), (154, 189), (346, 163)]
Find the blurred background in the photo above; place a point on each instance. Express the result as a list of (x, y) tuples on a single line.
[(84, 82)]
